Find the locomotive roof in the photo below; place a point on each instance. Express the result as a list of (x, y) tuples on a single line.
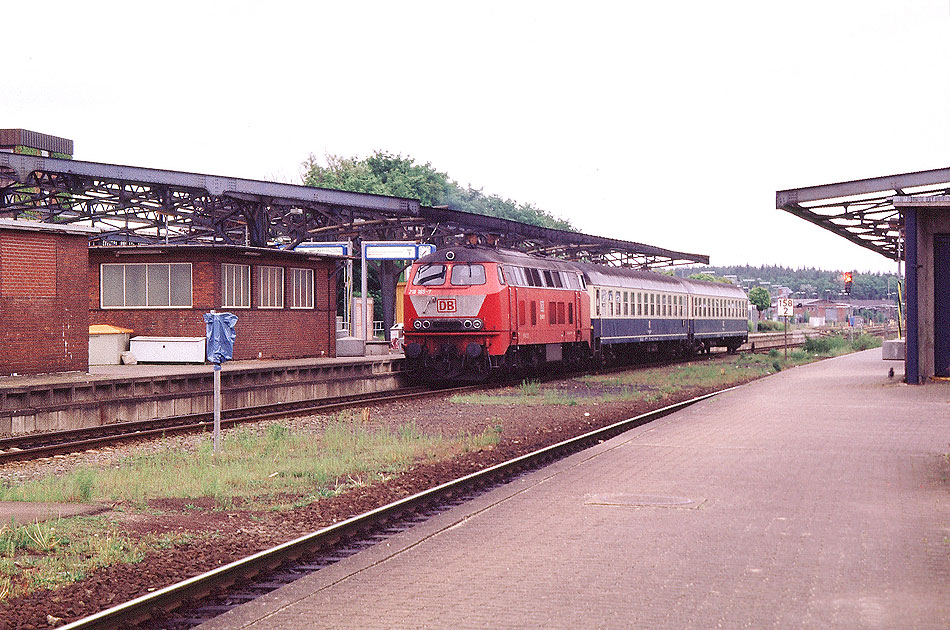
[(475, 254)]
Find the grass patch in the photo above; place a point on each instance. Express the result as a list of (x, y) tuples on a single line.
[(47, 555), (657, 384), (269, 467), (544, 396), (256, 463)]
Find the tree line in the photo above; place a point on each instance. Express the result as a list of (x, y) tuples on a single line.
[(383, 173), (806, 283)]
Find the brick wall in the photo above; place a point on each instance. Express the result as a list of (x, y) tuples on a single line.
[(261, 333), (44, 317)]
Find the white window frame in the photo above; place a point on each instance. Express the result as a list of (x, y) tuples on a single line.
[(146, 306), (301, 279), (272, 286), (229, 269)]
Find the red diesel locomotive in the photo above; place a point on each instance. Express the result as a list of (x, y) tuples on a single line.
[(472, 310)]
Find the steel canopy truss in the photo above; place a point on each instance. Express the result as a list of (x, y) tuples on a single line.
[(863, 210), (133, 205)]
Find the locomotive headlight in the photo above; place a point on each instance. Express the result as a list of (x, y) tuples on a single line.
[(426, 323), (467, 323), (417, 324), (476, 324)]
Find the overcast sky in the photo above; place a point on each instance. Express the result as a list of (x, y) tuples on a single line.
[(668, 123)]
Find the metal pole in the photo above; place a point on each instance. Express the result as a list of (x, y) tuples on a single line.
[(786, 337), (348, 309), (217, 408), (364, 287)]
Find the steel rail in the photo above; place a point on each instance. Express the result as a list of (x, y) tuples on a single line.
[(58, 442), (172, 597)]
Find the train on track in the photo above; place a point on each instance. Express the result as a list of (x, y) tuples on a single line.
[(473, 311)]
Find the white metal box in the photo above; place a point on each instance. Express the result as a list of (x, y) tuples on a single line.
[(168, 349), (893, 350), (107, 343)]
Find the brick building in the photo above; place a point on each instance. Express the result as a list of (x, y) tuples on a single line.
[(45, 319), (285, 301)]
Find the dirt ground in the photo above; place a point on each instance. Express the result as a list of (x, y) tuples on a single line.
[(239, 532)]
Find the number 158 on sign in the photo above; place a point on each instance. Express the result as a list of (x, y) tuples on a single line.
[(785, 307)]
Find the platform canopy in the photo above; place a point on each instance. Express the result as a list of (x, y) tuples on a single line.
[(863, 211), (134, 205)]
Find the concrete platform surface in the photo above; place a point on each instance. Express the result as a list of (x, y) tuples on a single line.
[(151, 370), (25, 512), (815, 498)]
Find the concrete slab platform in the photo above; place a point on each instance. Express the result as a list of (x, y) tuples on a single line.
[(150, 370), (816, 498), (24, 512), (121, 393)]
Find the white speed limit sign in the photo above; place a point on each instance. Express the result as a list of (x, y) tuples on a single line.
[(785, 307)]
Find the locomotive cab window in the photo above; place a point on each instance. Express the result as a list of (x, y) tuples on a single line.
[(464, 275), (534, 278), (429, 276)]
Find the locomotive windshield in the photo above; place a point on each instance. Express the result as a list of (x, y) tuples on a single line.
[(429, 275), (465, 275)]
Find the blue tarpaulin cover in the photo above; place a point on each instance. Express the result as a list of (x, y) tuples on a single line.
[(220, 336)]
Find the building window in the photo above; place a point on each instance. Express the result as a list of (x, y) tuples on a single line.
[(271, 282), (145, 285), (301, 288), (235, 286)]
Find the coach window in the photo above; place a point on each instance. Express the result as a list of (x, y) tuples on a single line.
[(429, 276), (617, 301), (610, 303), (465, 275), (639, 304), (626, 303), (651, 304)]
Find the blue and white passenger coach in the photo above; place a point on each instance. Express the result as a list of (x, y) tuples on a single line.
[(643, 311)]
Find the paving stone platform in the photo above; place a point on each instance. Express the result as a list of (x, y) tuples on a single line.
[(816, 498)]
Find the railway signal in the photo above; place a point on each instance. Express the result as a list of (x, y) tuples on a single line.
[(848, 279)]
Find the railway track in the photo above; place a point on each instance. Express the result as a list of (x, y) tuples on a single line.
[(198, 599), (36, 445), (48, 444)]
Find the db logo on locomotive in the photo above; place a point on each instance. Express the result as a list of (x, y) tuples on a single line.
[(445, 305)]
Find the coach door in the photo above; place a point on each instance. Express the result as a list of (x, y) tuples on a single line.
[(942, 304)]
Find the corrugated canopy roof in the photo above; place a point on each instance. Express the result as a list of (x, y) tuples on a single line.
[(863, 211), (135, 205)]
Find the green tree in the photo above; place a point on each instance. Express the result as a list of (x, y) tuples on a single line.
[(386, 174), (760, 298), (708, 277)]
